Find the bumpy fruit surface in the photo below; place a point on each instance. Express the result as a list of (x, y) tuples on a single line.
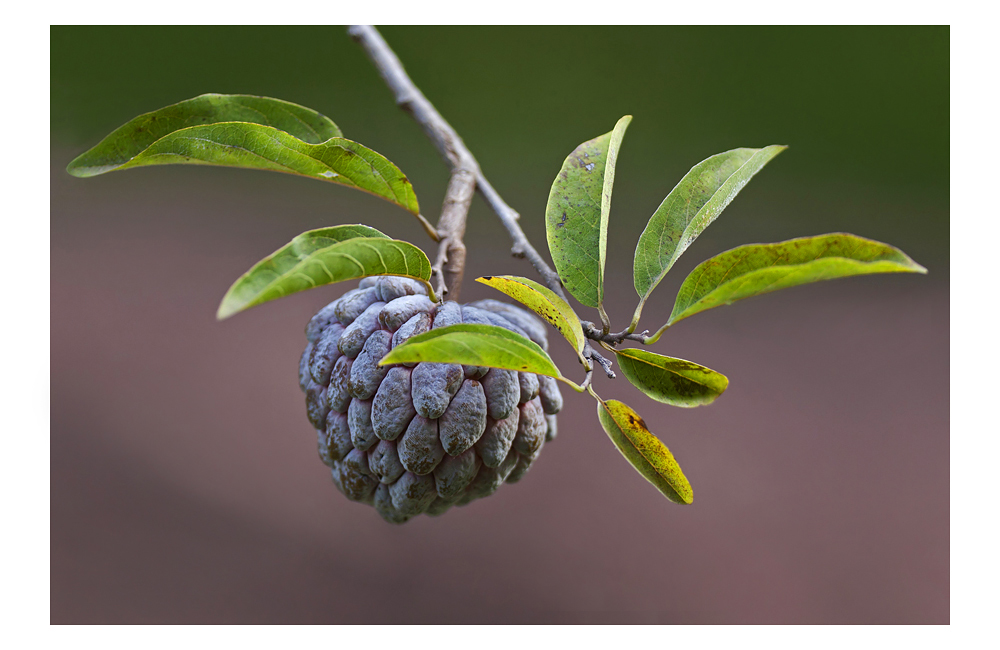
[(415, 438)]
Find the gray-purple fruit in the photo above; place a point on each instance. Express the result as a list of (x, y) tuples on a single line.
[(419, 438)]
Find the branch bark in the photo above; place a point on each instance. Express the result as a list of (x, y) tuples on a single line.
[(466, 176), (449, 267), (594, 333)]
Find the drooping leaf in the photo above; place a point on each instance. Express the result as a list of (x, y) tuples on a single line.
[(576, 216), (252, 146), (755, 269), (672, 381), (131, 139), (544, 302), (691, 206), (643, 450), (325, 256), (475, 345)]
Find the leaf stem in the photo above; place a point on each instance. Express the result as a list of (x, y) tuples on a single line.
[(635, 317), (605, 321), (578, 387), (429, 228), (649, 340)]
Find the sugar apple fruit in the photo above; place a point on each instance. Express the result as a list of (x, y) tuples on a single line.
[(419, 438)]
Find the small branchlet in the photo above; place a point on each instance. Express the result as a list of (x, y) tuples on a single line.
[(594, 333), (602, 361), (449, 267)]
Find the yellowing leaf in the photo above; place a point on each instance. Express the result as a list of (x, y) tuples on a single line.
[(643, 450), (544, 302), (757, 269)]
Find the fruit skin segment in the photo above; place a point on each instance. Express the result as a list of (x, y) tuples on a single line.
[(414, 439)]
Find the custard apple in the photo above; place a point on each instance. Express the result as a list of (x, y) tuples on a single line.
[(419, 438)]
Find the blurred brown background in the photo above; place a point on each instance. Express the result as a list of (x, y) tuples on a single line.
[(185, 482)]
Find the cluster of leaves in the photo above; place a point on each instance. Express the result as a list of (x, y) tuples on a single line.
[(269, 134)]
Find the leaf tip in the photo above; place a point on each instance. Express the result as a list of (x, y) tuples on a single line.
[(389, 357), (81, 169), (224, 311), (76, 168), (393, 357), (228, 307)]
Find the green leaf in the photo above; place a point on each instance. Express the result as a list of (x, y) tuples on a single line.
[(672, 381), (755, 269), (576, 216), (325, 256), (544, 302), (253, 146), (691, 206), (643, 450), (475, 345), (128, 141)]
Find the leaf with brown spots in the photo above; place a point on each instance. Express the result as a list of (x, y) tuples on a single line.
[(577, 213), (672, 381), (691, 206), (643, 450), (544, 302), (756, 269)]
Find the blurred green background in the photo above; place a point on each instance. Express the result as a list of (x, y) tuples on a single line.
[(821, 477), (864, 110)]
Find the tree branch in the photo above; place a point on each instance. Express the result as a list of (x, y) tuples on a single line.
[(449, 265), (451, 227)]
